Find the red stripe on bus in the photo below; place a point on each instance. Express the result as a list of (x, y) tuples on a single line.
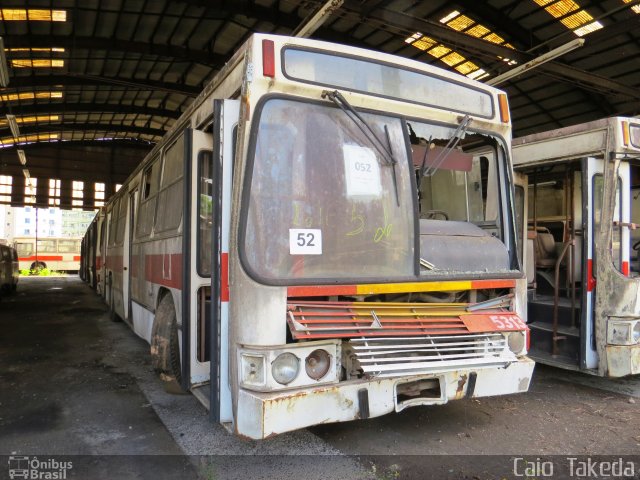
[(591, 282), (165, 270), (479, 284), (224, 277), (114, 262), (48, 258), (76, 258), (321, 290), (625, 268)]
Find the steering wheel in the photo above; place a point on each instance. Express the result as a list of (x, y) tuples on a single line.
[(432, 214), (636, 246)]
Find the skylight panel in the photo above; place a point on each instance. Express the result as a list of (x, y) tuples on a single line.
[(592, 27), (478, 74), (40, 137), (36, 50), (477, 31), (466, 67), (494, 38), (468, 26), (439, 51), (635, 8), (580, 22), (38, 15), (460, 23), (454, 58), (36, 63), (12, 97), (32, 119)]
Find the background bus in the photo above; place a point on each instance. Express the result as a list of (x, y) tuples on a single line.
[(582, 244), (335, 240), (57, 254)]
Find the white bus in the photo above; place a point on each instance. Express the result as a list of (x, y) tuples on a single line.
[(57, 254), (277, 254), (582, 258)]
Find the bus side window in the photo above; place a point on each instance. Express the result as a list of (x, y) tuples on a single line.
[(205, 212), (170, 196), (146, 210)]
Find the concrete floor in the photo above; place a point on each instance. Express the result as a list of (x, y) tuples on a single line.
[(74, 383)]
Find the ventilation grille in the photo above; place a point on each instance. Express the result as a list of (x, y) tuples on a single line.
[(386, 357)]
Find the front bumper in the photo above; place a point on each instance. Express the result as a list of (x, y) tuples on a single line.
[(623, 360), (261, 415)]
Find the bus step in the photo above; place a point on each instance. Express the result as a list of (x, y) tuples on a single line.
[(544, 310), (563, 330), (542, 341)]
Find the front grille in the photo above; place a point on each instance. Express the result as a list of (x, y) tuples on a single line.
[(393, 356)]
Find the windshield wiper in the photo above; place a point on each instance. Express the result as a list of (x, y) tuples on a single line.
[(385, 151), (449, 147)]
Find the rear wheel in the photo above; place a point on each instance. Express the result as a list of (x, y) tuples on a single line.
[(37, 266)]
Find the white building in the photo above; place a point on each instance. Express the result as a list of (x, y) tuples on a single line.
[(51, 222)]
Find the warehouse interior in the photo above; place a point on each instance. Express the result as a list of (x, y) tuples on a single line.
[(92, 86)]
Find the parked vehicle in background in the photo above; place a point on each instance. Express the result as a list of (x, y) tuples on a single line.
[(9, 272), (326, 234), (582, 244), (57, 254)]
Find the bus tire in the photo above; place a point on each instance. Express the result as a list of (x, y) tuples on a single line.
[(37, 266), (165, 347)]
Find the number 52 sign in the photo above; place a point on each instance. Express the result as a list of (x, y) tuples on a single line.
[(305, 241)]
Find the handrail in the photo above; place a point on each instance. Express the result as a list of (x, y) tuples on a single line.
[(556, 294)]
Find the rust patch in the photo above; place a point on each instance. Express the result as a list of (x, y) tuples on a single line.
[(461, 383)]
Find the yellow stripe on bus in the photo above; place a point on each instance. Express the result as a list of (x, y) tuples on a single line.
[(413, 287)]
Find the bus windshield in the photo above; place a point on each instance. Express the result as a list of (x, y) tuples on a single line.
[(323, 200), (326, 202)]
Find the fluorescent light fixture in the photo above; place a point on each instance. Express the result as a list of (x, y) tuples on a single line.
[(13, 125), (4, 70), (22, 157), (25, 172), (555, 53)]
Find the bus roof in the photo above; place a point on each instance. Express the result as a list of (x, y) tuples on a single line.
[(576, 141)]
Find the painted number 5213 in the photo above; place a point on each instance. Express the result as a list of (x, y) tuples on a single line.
[(505, 322)]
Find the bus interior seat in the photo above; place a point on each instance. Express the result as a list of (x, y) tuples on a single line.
[(545, 248)]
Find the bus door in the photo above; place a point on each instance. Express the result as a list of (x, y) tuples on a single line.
[(224, 133), (593, 184), (620, 245), (213, 160), (520, 181)]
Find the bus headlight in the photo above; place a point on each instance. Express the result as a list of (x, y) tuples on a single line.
[(317, 364), (285, 368), (636, 333), (516, 342), (294, 365)]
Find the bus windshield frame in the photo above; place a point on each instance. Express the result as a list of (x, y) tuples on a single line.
[(359, 262)]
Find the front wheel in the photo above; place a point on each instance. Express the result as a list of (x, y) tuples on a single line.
[(167, 346)]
